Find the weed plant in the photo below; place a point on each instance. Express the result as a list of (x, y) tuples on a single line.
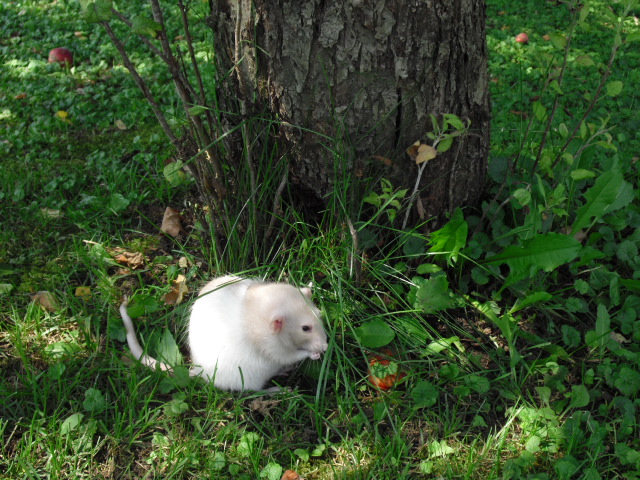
[(513, 331)]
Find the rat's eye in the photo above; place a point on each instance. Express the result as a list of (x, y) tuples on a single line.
[(306, 328)]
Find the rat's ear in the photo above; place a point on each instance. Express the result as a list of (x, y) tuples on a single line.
[(277, 323), (306, 291)]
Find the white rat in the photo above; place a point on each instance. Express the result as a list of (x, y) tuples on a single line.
[(243, 332)]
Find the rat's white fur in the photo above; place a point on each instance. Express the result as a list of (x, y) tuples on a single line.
[(243, 332)]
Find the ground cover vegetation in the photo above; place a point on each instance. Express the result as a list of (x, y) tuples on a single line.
[(504, 345)]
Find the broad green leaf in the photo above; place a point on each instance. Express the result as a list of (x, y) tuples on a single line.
[(71, 423), (176, 406), (579, 396), (570, 336), (627, 455), (413, 245), (440, 449), (99, 255), (451, 238), (522, 196), (626, 195), (374, 334), (600, 336), (633, 285), (118, 202), (478, 383), (480, 275), (319, 450), (498, 168), (633, 37), (454, 121), (614, 88), (444, 343), (606, 195), (542, 252), (585, 61), (529, 300), (247, 444), (555, 86), (167, 349), (197, 110), (62, 349), (581, 174), (627, 381), (143, 305), (445, 144), (219, 462), (95, 11), (540, 111), (433, 294), (94, 400), (179, 378), (143, 25), (539, 342), (424, 394), (273, 471), (425, 268), (627, 252), (302, 454), (563, 130), (506, 323), (56, 371), (174, 174), (558, 40), (450, 371), (566, 467)]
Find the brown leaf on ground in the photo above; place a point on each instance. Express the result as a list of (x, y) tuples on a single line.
[(178, 290), (133, 260), (46, 301), (263, 405), (172, 222), (83, 292)]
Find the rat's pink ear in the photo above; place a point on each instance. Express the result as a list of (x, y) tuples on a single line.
[(306, 291), (276, 324)]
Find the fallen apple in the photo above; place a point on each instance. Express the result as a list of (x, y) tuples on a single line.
[(61, 55), (522, 38), (384, 371)]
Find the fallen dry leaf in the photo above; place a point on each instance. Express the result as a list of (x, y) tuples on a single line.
[(83, 292), (46, 301), (183, 262), (421, 152), (121, 125), (51, 213), (62, 115), (420, 207), (133, 260), (387, 161), (263, 405), (178, 290), (171, 222)]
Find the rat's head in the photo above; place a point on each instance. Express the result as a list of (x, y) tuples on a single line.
[(289, 327)]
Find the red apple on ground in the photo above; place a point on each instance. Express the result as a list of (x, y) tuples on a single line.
[(384, 371), (61, 55), (522, 38)]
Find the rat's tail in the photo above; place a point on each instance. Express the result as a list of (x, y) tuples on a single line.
[(134, 345)]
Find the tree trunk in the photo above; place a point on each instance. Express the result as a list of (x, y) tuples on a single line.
[(364, 74)]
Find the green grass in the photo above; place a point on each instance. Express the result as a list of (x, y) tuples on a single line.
[(491, 391)]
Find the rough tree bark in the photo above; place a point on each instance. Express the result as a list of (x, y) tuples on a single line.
[(368, 73)]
